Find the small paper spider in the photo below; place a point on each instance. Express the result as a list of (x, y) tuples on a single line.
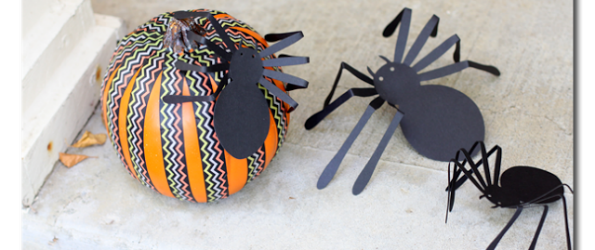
[(436, 120), (519, 187)]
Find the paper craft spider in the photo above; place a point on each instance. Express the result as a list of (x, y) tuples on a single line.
[(241, 117), (519, 187), (436, 120)]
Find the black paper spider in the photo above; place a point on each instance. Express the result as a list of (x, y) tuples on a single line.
[(439, 120), (241, 117), (519, 187)]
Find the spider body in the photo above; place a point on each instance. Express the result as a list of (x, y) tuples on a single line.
[(521, 184), (242, 103), (436, 120), (432, 111), (518, 187)]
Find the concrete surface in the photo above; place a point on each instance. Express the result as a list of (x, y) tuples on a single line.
[(64, 54), (528, 111)]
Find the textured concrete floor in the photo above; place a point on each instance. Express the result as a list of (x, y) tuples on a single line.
[(528, 111)]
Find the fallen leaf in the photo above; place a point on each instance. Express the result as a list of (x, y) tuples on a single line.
[(89, 139), (291, 198), (70, 160), (51, 243)]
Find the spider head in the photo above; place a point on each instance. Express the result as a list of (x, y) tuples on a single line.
[(394, 81), (246, 63), (493, 194), (501, 197)]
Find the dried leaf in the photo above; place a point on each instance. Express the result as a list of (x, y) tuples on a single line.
[(51, 243), (70, 160), (89, 139)]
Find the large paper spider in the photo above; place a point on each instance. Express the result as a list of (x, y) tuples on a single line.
[(241, 117), (519, 187), (436, 120)]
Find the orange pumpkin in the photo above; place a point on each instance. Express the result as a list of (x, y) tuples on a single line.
[(173, 148)]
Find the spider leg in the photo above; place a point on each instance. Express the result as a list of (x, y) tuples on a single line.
[(438, 52), (456, 179), (288, 39), (431, 29), (185, 98), (182, 14), (364, 177), (392, 26), (404, 18), (330, 170), (317, 118), (460, 181), (351, 70), (484, 160), (192, 67), (448, 204), (566, 221), (208, 98), (541, 221), (469, 175), (212, 46), (498, 162), (286, 61), (456, 67), (475, 169), (545, 197), (278, 93), (302, 60), (455, 183), (565, 214), (456, 173), (495, 242), (222, 34), (221, 85), (273, 37), (289, 79), (498, 151), (451, 188)]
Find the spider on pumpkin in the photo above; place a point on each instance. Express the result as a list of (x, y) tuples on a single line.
[(241, 117)]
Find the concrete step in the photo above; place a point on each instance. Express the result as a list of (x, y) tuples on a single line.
[(47, 37), (57, 114)]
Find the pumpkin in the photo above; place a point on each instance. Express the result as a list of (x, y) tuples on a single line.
[(173, 148)]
